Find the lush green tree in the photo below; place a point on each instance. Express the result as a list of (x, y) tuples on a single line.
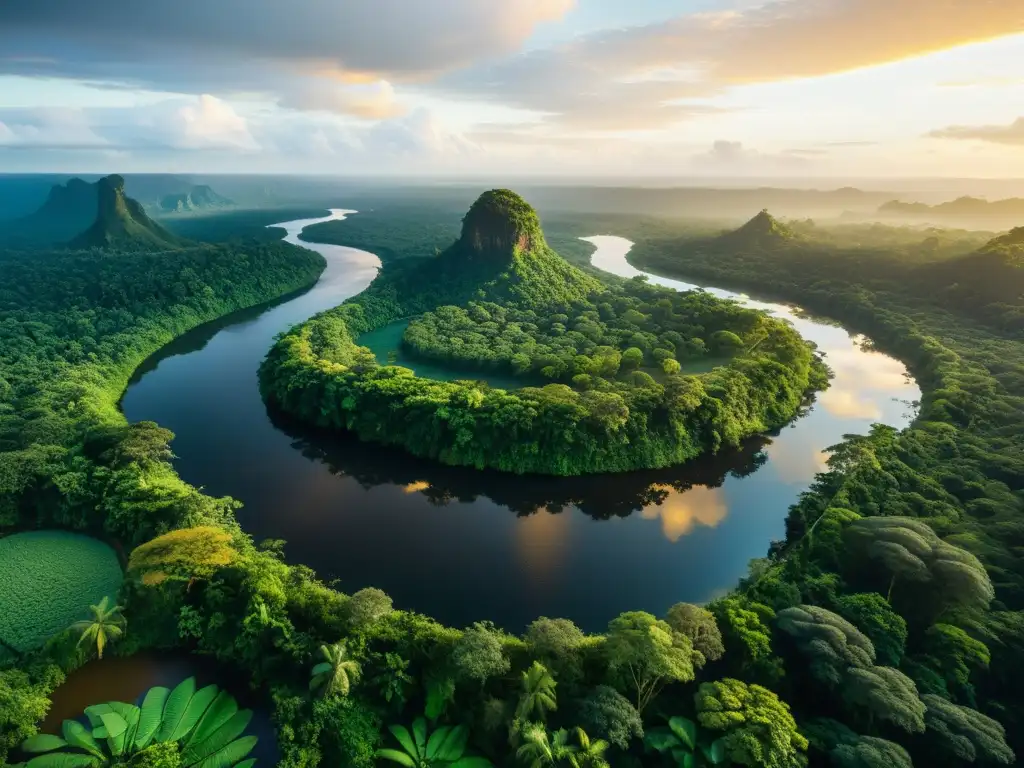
[(747, 636), (648, 654), (912, 552), (700, 626), (23, 704), (445, 747), (586, 752), (335, 674), (479, 654), (610, 714), (187, 554), (871, 752), (393, 679), (367, 606), (106, 623), (885, 693), (537, 694), (964, 733), (874, 616), (956, 654), (831, 643), (757, 729), (557, 643), (538, 749)]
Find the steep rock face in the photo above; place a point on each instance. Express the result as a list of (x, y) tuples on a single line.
[(121, 222), (762, 231), (499, 224)]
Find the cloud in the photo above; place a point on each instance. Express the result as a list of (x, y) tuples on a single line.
[(996, 134), (371, 101), (262, 45), (49, 128), (187, 123), (656, 72), (733, 155), (984, 82)]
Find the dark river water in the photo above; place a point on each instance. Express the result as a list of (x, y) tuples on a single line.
[(462, 545)]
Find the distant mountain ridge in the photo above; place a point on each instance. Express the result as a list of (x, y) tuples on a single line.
[(201, 197), (68, 209), (962, 207), (121, 222)]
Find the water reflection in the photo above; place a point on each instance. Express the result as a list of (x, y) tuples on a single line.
[(463, 545), (601, 497), (680, 512)]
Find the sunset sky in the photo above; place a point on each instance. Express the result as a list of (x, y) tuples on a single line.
[(605, 87)]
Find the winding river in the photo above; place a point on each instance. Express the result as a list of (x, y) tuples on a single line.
[(462, 545)]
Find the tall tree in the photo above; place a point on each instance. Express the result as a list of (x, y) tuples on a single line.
[(336, 673), (830, 643), (187, 554), (537, 694), (648, 654), (700, 626), (964, 733), (757, 729), (104, 624)]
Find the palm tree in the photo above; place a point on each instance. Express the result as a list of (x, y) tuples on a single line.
[(538, 693), (336, 673), (587, 753), (537, 749), (106, 623)]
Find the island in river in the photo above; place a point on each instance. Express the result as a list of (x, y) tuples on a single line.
[(499, 300)]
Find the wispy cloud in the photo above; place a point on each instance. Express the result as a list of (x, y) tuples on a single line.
[(996, 134)]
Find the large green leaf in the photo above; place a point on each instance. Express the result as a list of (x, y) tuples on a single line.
[(471, 762), (247, 763), (223, 709), (122, 742), (683, 758), (322, 668), (197, 707), (94, 712), (115, 728), (401, 733), (436, 739), (150, 714), (660, 739), (419, 732), (230, 754), (396, 757), (715, 752), (77, 735), (43, 742), (63, 760), (198, 751), (454, 744), (174, 709), (685, 730)]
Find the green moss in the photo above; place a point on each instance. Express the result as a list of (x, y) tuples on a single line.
[(48, 580)]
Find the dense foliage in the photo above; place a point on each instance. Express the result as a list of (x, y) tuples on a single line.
[(908, 548), (526, 311), (48, 579), (888, 630), (179, 728)]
